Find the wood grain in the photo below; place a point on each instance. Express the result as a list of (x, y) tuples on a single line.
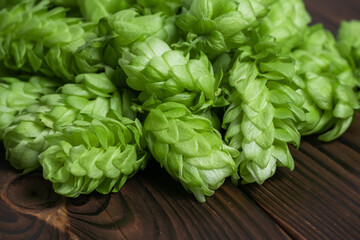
[(320, 199), (29, 209), (150, 206)]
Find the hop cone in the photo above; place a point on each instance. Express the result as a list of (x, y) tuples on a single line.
[(95, 153), (93, 95), (156, 70), (287, 21), (95, 147), (58, 52), (260, 119), (24, 139), (94, 10), (16, 96), (349, 45), (328, 86), (168, 7), (189, 148), (126, 27), (217, 26)]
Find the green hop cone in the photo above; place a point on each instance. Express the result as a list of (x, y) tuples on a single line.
[(217, 26), (95, 153), (328, 85), (264, 107), (24, 139), (156, 70), (16, 96), (287, 21), (126, 27), (189, 148), (93, 95), (94, 10), (36, 39), (349, 45), (168, 7), (25, 136)]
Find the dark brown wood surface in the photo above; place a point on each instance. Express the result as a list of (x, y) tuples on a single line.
[(320, 199)]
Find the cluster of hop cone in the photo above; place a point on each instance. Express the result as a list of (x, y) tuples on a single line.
[(90, 91)]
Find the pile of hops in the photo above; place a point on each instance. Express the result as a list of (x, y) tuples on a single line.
[(90, 91)]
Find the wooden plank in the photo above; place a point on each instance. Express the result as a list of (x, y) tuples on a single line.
[(318, 200), (228, 214), (149, 206), (21, 205), (29, 209)]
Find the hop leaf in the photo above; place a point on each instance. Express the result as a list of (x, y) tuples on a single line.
[(189, 148)]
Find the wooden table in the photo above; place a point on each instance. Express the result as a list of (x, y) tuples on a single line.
[(320, 199)]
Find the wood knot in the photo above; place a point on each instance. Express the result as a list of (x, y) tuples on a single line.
[(32, 193)]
